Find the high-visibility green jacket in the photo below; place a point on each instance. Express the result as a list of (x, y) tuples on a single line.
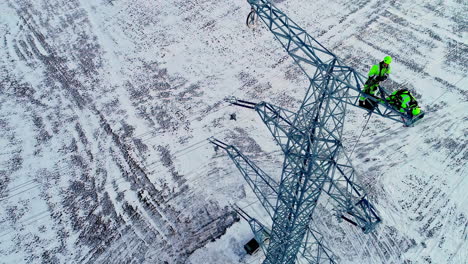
[(371, 85), (379, 70), (403, 100)]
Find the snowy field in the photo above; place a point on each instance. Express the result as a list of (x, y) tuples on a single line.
[(105, 108)]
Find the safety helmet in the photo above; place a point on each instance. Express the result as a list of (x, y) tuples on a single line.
[(416, 111), (387, 59)]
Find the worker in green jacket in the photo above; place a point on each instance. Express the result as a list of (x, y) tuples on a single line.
[(404, 102), (378, 72)]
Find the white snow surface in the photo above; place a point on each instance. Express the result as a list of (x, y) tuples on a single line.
[(106, 107)]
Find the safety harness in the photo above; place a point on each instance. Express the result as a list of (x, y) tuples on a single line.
[(370, 87)]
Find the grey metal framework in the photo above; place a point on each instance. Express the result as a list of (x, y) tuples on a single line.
[(318, 63), (311, 141), (266, 190)]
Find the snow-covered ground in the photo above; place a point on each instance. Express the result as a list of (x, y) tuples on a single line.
[(105, 108)]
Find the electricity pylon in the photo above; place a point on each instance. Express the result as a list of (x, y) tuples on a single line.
[(311, 142)]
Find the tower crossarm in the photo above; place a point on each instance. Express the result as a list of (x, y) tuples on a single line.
[(314, 250), (313, 57), (263, 186), (266, 189), (279, 121), (260, 231), (350, 199), (282, 123)]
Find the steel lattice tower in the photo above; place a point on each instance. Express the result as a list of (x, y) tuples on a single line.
[(311, 141)]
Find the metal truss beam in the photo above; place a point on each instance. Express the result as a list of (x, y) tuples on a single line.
[(311, 141), (312, 58), (350, 198), (260, 231), (263, 186)]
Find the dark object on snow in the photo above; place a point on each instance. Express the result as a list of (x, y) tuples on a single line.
[(251, 247), (233, 117)]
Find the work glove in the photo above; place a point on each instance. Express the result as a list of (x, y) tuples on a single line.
[(372, 80), (381, 78)]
